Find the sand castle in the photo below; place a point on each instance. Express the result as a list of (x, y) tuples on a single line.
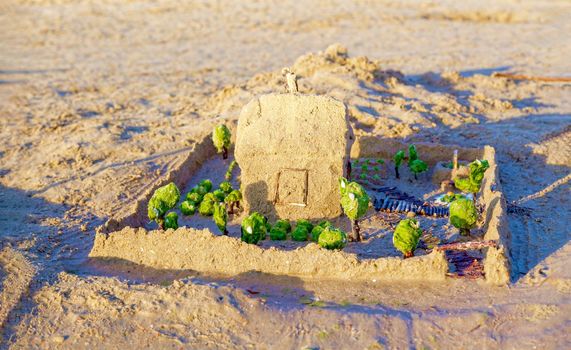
[(291, 150)]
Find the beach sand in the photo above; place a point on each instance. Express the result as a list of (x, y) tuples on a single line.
[(98, 99)]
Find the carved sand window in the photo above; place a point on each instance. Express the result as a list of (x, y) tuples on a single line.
[(291, 187)]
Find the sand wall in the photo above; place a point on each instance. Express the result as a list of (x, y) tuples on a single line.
[(431, 153), (200, 250), (496, 262), (135, 215)]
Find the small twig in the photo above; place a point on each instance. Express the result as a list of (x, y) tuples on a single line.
[(291, 80), (533, 78), (474, 245), (544, 191)]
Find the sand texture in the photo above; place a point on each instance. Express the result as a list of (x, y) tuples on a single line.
[(103, 101)]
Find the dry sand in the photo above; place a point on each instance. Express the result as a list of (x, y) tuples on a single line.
[(98, 100)]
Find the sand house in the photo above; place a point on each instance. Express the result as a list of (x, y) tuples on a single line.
[(292, 149)]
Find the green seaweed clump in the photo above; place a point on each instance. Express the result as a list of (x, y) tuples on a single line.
[(463, 215), (206, 207), (355, 203), (171, 220), (219, 194), (415, 165), (412, 153), (233, 200), (332, 238), (187, 208), (318, 229), (406, 237), (302, 230), (220, 217), (228, 175), (206, 184), (451, 197), (472, 183), (254, 228), (280, 230), (226, 187), (398, 158), (164, 199), (194, 197), (221, 139)]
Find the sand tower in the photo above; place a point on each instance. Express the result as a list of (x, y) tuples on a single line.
[(292, 149)]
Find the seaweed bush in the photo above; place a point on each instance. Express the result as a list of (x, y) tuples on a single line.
[(318, 229), (415, 165), (463, 215), (188, 208), (221, 139), (412, 153), (302, 230), (280, 230), (398, 158), (219, 194), (171, 220), (164, 199), (206, 184), (233, 200), (254, 228), (206, 207), (332, 238), (472, 183), (220, 217), (226, 187), (228, 175), (355, 203), (194, 197), (451, 197), (406, 237)]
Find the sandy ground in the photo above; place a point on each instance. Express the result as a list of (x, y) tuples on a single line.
[(97, 99)]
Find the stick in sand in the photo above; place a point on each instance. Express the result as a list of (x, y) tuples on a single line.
[(533, 78), (291, 79), (467, 245)]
